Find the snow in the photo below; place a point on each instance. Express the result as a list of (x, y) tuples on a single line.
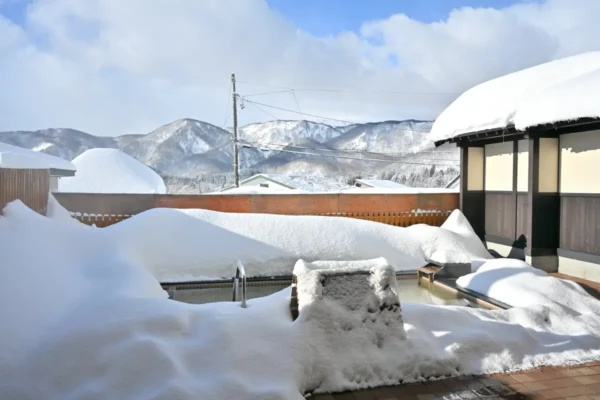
[(518, 284), (85, 320), (304, 183), (405, 190), (209, 242), (111, 171), (381, 183), (350, 305), (273, 189), (91, 324), (255, 189), (42, 146), (18, 157), (560, 90), (57, 212)]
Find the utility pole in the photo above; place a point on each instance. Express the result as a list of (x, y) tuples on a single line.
[(236, 160)]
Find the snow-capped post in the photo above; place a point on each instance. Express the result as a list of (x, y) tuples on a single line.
[(236, 164), (240, 272)]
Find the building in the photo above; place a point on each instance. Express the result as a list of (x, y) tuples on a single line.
[(378, 184), (530, 157), (267, 183), (28, 176)]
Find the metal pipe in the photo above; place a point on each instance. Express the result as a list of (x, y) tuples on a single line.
[(239, 272)]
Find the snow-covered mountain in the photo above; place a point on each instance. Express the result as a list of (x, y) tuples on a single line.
[(385, 137), (189, 148), (288, 132)]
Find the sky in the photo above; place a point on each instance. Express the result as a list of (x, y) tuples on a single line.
[(111, 67)]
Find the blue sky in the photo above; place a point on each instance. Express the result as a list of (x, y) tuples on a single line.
[(327, 17), (14, 9), (157, 61)]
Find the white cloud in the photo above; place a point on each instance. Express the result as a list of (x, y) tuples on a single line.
[(113, 66)]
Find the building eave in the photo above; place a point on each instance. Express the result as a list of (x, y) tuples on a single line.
[(545, 130), (61, 172)]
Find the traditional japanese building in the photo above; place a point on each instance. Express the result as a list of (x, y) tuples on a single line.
[(530, 163)]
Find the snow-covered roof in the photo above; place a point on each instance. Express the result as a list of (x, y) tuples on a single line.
[(380, 183), (111, 171), (18, 157), (404, 190), (254, 189), (561, 90), (306, 183)]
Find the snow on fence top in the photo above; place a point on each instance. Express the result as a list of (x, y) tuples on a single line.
[(18, 157), (561, 90), (112, 171)]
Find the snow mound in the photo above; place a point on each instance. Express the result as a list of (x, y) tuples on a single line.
[(183, 245), (518, 284), (111, 171), (560, 90), (56, 211), (350, 305), (92, 323)]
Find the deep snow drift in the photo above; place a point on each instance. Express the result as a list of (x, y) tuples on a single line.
[(111, 171), (559, 90), (185, 245), (91, 323)]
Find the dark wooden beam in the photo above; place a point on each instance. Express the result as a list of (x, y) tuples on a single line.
[(544, 216)]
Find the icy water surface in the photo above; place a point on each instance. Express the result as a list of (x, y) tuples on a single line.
[(408, 291)]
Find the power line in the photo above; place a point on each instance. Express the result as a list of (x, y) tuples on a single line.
[(334, 90), (363, 152), (322, 117), (296, 100), (348, 157), (266, 93), (263, 110), (227, 107), (301, 113)]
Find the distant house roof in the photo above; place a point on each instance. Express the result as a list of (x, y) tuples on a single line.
[(379, 183), (21, 158), (305, 183), (555, 92)]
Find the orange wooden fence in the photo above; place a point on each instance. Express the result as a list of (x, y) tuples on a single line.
[(433, 218), (393, 209)]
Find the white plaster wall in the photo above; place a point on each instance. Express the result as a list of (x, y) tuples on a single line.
[(523, 166), (54, 184), (580, 162), (475, 173), (501, 249), (580, 269), (499, 166), (548, 165)]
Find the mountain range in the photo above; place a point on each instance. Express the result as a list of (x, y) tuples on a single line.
[(193, 149)]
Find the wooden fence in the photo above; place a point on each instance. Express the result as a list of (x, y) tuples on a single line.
[(393, 209), (31, 186), (433, 218)]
